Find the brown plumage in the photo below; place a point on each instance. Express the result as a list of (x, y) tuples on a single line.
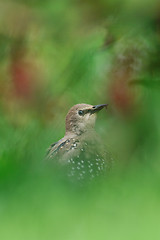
[(81, 149)]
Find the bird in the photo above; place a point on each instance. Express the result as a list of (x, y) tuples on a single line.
[(81, 149)]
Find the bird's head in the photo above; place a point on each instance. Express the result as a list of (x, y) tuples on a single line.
[(82, 117)]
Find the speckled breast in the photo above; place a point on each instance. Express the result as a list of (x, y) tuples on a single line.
[(88, 163)]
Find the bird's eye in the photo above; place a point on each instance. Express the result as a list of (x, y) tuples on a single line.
[(80, 112)]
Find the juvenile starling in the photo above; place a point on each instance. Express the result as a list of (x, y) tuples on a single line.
[(81, 150)]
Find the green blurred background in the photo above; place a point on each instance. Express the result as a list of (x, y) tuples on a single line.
[(54, 54)]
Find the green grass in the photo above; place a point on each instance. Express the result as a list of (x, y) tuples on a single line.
[(77, 52), (37, 202)]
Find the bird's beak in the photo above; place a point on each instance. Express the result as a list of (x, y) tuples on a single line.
[(97, 108)]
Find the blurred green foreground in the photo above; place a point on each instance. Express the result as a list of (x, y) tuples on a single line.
[(55, 54)]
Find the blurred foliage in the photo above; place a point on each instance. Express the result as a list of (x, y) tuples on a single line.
[(54, 54)]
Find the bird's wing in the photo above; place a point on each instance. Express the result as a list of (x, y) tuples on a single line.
[(62, 148), (53, 149)]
